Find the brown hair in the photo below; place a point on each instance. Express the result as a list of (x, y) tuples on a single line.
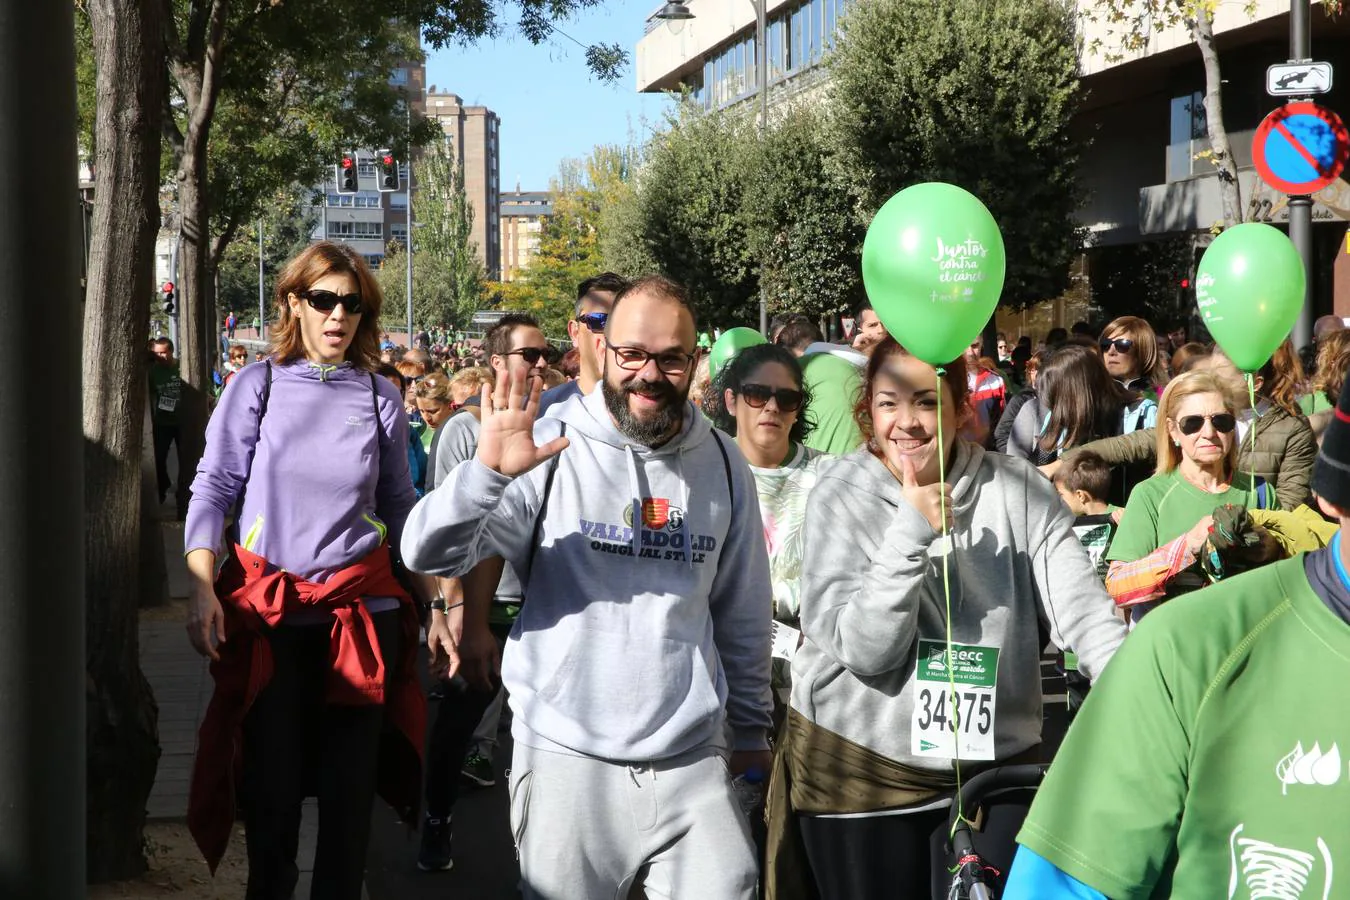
[(497, 339), (1333, 364), (237, 348), (1083, 399), (953, 374), (1282, 378), (1197, 381), (313, 263), (1186, 356), (1085, 471), (435, 386), (1145, 346)]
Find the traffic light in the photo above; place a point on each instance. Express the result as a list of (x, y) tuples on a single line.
[(346, 174), (386, 172), (168, 296)]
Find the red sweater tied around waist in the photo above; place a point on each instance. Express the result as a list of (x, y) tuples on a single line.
[(256, 597)]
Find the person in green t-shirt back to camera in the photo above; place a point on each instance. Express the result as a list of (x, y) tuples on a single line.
[(1156, 552), (1208, 761)]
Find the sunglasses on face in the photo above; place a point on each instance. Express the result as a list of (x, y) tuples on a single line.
[(758, 395), (531, 355), (595, 321), (633, 359), (327, 301), (1222, 422), (1122, 345)]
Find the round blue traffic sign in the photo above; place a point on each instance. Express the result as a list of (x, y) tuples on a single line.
[(1300, 148)]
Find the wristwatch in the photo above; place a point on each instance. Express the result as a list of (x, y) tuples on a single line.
[(438, 605)]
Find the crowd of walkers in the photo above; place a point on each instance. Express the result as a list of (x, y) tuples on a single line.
[(752, 625)]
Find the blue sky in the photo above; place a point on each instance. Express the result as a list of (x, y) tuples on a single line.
[(551, 107)]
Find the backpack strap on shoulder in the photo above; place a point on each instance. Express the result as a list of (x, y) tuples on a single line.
[(726, 465), (538, 534)]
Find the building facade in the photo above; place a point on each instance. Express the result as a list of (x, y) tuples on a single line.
[(522, 217), (1146, 174), (474, 135), (368, 220)]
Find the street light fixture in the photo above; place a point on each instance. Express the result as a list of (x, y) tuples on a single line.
[(675, 15)]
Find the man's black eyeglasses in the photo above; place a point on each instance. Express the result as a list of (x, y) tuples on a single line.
[(670, 362), (595, 321), (758, 395), (1222, 422), (532, 355), (1122, 345), (327, 301)]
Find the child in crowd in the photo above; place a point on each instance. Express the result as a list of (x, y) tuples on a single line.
[(1084, 482)]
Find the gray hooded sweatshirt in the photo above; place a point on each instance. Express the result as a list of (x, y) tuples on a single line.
[(872, 587), (647, 628)]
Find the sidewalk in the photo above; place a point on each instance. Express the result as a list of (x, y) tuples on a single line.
[(182, 684)]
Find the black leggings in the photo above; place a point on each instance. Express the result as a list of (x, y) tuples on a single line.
[(900, 857), (295, 746)]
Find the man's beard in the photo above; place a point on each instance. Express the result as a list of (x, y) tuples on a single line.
[(662, 421)]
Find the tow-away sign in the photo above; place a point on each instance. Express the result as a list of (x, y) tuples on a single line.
[(1299, 79)]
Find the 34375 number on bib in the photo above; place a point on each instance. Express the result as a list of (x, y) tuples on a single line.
[(946, 719)]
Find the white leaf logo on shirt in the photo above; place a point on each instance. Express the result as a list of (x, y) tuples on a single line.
[(1312, 767)]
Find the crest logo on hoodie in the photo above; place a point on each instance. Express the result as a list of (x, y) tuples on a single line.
[(657, 514)]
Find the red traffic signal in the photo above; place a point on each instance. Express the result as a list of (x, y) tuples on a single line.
[(168, 287), (388, 159), (1185, 283), (348, 162)]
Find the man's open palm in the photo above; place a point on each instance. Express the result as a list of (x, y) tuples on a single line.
[(506, 441)]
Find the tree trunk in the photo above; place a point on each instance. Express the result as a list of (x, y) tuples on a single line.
[(1202, 30), (122, 717), (194, 328)]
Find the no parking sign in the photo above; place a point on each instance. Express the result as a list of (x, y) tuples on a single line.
[(1301, 148)]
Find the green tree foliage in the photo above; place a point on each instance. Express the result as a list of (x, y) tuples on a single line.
[(801, 225), (447, 274), (978, 93), (688, 213), (570, 240)]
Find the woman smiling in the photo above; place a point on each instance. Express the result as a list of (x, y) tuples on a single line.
[(871, 733)]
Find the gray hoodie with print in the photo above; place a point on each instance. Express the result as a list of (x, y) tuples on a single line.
[(872, 588), (648, 625)]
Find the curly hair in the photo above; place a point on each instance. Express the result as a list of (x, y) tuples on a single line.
[(736, 373), (1333, 364)]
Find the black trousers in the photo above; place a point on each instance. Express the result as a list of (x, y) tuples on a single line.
[(165, 434), (296, 745), (902, 857), (458, 713)]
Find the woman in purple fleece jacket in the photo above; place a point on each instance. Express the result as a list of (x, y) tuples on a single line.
[(312, 449)]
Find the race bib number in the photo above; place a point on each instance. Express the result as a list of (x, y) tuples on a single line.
[(946, 719), (167, 403)]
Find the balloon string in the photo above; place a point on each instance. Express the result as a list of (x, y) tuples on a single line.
[(947, 600), (1253, 496)]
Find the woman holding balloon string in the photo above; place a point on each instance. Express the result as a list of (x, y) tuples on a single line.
[(1171, 518), (869, 696)]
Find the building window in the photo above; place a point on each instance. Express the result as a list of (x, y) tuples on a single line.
[(1189, 135), (366, 168), (398, 232), (357, 230), (399, 200), (375, 260), (367, 200), (399, 77)]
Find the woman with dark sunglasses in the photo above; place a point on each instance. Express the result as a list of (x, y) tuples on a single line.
[(1156, 553), (1130, 350), (763, 404), (312, 637)]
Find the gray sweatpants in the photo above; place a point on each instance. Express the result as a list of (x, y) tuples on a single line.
[(589, 829)]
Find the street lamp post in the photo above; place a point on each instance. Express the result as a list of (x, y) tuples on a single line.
[(675, 14)]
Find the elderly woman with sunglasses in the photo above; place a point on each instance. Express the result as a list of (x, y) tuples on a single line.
[(312, 637), (1169, 517)]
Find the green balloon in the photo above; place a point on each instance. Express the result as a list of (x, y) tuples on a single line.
[(725, 348), (933, 265), (1249, 289)]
